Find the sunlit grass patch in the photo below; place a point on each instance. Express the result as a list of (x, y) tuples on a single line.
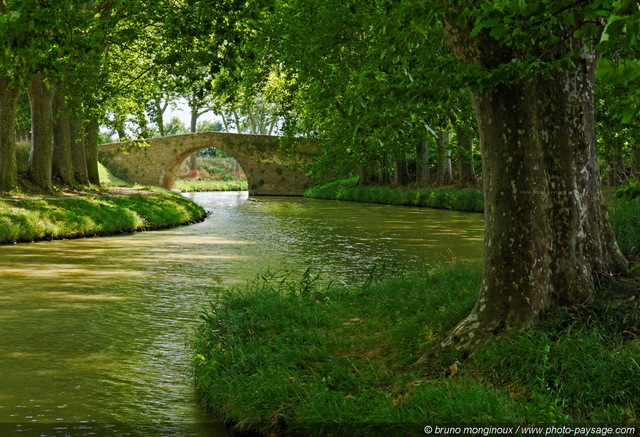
[(71, 217), (211, 185)]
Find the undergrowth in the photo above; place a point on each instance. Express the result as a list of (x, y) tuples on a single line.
[(304, 358), (625, 220)]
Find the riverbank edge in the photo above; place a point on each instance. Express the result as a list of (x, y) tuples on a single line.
[(28, 219), (298, 358), (449, 197)]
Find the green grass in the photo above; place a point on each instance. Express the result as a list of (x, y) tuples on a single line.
[(23, 220), (315, 360), (94, 211), (211, 185), (467, 199), (109, 179)]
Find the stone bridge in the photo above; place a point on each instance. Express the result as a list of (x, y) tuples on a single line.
[(269, 170)]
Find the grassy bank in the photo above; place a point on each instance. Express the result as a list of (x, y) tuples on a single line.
[(211, 185), (115, 208), (468, 199), (25, 219), (297, 358), (300, 359)]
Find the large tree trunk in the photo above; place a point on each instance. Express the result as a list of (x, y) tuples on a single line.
[(423, 174), (78, 154), (193, 128), (160, 109), (40, 158), (383, 175), (548, 239), (119, 125), (62, 162), (91, 131), (8, 106), (444, 174), (401, 172)]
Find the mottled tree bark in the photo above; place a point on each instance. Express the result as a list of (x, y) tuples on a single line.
[(8, 166), (78, 154), (91, 131), (62, 162), (443, 154), (40, 158), (193, 159), (548, 239)]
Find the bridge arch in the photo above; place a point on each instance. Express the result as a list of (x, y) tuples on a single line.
[(169, 179), (269, 171)]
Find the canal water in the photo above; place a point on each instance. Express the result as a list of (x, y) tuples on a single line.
[(94, 333)]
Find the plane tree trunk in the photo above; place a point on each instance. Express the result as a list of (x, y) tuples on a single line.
[(423, 174), (62, 161), (443, 154), (401, 172), (193, 128), (548, 240), (8, 110), (91, 131), (40, 157), (78, 155)]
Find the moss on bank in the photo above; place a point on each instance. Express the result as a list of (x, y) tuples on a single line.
[(467, 199), (25, 219)]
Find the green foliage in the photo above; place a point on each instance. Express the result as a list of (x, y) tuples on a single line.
[(213, 163), (625, 221), (176, 127), (631, 191), (209, 126), (22, 157), (52, 218), (442, 197)]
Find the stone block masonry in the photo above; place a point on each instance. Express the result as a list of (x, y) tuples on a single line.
[(270, 170)]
